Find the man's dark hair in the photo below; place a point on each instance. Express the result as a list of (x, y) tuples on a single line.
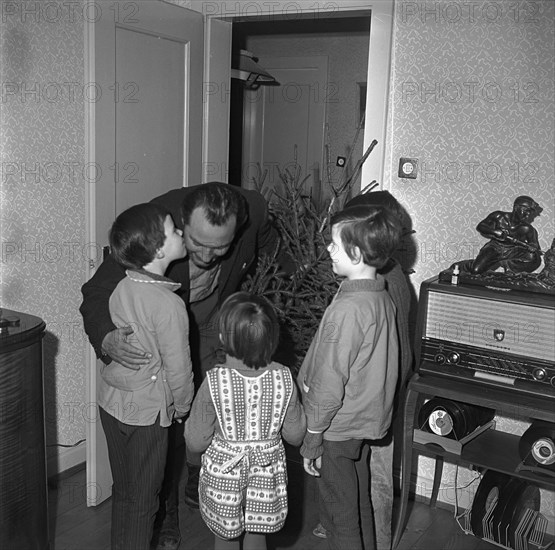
[(373, 229), (249, 329), (137, 234), (219, 200)]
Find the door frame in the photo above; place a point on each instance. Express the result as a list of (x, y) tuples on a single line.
[(90, 266), (378, 76)]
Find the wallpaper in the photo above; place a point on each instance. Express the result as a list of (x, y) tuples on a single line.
[(42, 193), (473, 101), (472, 90)]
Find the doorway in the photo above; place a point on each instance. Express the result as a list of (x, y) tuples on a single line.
[(219, 87), (312, 118)]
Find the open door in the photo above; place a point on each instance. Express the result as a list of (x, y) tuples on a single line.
[(144, 136), (285, 125), (216, 142)]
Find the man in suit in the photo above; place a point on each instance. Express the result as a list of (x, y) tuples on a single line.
[(225, 230)]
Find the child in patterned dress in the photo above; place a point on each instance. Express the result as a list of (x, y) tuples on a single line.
[(239, 416)]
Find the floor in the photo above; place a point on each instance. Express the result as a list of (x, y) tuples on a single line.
[(73, 526)]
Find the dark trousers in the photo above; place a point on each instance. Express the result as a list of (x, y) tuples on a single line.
[(175, 464), (137, 459), (339, 493)]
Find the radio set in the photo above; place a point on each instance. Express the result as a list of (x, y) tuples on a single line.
[(501, 337)]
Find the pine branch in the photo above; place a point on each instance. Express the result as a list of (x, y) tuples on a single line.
[(300, 297)]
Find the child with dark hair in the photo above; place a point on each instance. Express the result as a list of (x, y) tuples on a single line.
[(349, 375), (137, 406), (381, 454), (239, 416)]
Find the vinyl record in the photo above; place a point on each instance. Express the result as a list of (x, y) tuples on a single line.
[(452, 419), (537, 445), (485, 498), (441, 417), (483, 415), (509, 494), (528, 499)]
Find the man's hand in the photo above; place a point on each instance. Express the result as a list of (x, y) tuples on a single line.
[(311, 466), (115, 345)]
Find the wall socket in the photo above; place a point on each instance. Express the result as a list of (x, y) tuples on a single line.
[(408, 168)]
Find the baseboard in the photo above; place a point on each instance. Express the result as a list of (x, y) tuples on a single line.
[(61, 459)]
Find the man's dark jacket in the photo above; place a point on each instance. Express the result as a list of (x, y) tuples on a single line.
[(256, 237)]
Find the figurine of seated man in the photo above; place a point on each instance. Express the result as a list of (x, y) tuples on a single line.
[(514, 242)]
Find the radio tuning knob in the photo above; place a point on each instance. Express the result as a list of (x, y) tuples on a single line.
[(539, 373), (454, 357), (440, 359)]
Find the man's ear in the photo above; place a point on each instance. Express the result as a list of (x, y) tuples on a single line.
[(221, 339), (357, 255), (159, 254)]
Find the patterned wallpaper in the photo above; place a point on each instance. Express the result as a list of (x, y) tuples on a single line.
[(473, 100), (42, 193)]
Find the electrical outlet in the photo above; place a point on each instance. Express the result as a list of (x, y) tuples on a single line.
[(408, 168)]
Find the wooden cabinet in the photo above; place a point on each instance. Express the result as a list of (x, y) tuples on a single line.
[(23, 486)]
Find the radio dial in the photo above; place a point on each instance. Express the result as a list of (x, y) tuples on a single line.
[(454, 357), (440, 359)]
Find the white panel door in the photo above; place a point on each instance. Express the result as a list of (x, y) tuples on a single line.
[(145, 135), (285, 124)]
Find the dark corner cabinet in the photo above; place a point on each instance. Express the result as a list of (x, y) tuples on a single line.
[(468, 352), (23, 483)]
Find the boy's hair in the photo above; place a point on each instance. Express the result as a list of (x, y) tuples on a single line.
[(249, 329), (385, 199), (137, 234), (220, 201), (373, 229)]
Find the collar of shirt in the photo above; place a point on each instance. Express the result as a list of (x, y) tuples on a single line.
[(202, 282), (237, 364), (362, 285), (144, 276)]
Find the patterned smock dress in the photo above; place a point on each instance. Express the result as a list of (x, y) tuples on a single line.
[(243, 480)]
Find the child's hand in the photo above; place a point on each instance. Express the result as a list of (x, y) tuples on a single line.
[(311, 466), (179, 417)]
